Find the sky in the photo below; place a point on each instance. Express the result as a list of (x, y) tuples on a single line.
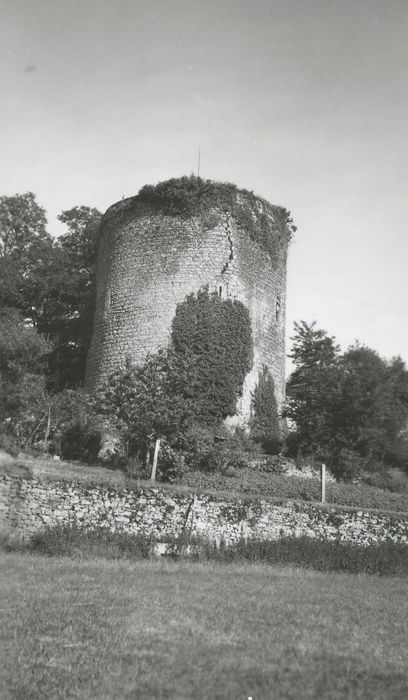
[(305, 102)]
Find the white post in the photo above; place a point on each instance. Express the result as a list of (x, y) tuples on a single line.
[(155, 458), (323, 483)]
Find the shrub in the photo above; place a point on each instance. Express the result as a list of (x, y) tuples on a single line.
[(73, 540), (72, 423), (23, 396), (390, 479), (81, 442), (9, 444), (23, 411), (215, 449), (385, 558), (348, 464), (292, 444), (171, 464), (265, 426)]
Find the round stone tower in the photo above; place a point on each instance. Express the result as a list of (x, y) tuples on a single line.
[(173, 239)]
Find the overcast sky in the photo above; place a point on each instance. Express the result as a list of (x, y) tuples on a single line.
[(303, 101)]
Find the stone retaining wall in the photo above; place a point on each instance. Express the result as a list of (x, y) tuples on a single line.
[(30, 505)]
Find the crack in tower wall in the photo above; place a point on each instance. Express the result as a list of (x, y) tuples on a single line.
[(227, 228)]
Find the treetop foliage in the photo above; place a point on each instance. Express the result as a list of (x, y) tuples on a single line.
[(311, 346), (81, 239), (23, 223), (348, 408), (267, 224), (22, 348), (51, 281)]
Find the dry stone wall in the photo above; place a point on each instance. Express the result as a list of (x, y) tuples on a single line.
[(149, 262), (29, 505)]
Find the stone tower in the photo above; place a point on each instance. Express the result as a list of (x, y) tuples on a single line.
[(173, 239)]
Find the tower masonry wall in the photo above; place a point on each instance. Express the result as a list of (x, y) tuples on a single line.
[(148, 263)]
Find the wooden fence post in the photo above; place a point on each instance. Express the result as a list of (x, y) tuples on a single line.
[(323, 483), (155, 458)]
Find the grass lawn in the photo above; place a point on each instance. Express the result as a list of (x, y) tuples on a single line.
[(100, 629)]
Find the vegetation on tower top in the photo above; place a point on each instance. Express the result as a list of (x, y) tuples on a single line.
[(190, 196)]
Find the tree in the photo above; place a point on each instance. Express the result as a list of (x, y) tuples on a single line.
[(25, 247), (311, 388), (373, 406), (81, 239), (70, 298), (265, 426), (147, 401), (22, 348), (22, 223), (23, 353), (348, 409), (51, 281)]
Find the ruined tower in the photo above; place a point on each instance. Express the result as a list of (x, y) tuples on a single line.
[(174, 239)]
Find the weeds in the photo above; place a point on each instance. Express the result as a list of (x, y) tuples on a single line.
[(386, 558), (75, 541)]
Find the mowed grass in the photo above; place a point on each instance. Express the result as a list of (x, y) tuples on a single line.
[(72, 628)]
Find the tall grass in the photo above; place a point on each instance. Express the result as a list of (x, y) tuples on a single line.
[(74, 541), (383, 558), (386, 558)]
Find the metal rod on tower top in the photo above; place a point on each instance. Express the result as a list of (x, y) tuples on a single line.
[(199, 158)]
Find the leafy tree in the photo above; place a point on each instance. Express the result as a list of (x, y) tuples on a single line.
[(23, 222), (147, 401), (81, 239), (23, 398), (312, 346), (312, 387), (22, 348), (373, 406), (25, 247), (348, 409), (70, 296), (51, 281)]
